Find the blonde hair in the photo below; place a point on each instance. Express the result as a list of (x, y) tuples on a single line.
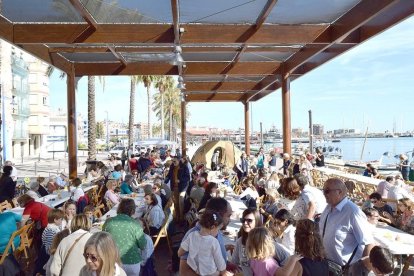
[(259, 244), (107, 251), (110, 184), (80, 222)]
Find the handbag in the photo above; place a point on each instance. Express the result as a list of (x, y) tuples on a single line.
[(69, 251), (334, 268)]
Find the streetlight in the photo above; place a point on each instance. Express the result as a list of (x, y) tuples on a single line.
[(107, 131)]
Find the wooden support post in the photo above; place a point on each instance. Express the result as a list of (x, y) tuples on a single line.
[(287, 135), (71, 117), (247, 128), (183, 129)]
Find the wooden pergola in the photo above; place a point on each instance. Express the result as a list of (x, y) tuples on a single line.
[(225, 51)]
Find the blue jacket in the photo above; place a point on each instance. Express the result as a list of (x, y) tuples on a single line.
[(183, 176), (143, 164)]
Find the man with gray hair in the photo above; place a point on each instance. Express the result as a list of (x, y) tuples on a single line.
[(343, 226)]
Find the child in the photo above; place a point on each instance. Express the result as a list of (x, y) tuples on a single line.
[(260, 249), (89, 212), (55, 243), (380, 259), (204, 254), (54, 219)]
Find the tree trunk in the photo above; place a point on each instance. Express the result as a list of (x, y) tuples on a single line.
[(131, 114), (170, 132), (149, 113), (162, 114), (91, 119)]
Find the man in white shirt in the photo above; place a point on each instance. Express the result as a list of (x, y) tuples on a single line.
[(384, 186), (313, 197)]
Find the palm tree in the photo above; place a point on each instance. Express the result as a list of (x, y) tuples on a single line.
[(91, 119), (134, 82), (163, 83), (147, 80)]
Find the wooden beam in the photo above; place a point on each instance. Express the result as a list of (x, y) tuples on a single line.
[(6, 29), (88, 18), (183, 128), (355, 18), (72, 128), (265, 13), (286, 118), (271, 86), (176, 20), (218, 97), (164, 33), (42, 52), (226, 86)]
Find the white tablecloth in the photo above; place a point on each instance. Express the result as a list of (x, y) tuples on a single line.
[(230, 235), (139, 211), (397, 241)]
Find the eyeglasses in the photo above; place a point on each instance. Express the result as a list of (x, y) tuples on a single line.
[(327, 191), (91, 257), (243, 220)]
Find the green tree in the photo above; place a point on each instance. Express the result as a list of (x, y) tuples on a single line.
[(100, 130), (147, 80), (163, 83)]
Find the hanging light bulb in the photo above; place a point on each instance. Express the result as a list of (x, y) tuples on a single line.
[(177, 59), (181, 85), (180, 79)]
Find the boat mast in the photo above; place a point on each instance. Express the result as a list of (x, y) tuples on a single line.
[(310, 132), (363, 145)]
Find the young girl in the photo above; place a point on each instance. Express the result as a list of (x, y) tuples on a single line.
[(101, 256), (70, 211), (260, 250), (204, 256)]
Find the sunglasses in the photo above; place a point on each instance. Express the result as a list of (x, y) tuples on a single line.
[(91, 257), (327, 191), (243, 220)]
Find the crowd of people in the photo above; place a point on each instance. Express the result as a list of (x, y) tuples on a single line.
[(288, 227)]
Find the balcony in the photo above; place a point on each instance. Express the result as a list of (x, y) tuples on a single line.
[(19, 111)]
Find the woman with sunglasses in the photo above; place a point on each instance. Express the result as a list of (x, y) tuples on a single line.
[(250, 220), (101, 256)]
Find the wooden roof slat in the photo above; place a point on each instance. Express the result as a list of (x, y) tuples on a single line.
[(265, 13), (356, 17), (225, 86), (6, 28), (42, 52)]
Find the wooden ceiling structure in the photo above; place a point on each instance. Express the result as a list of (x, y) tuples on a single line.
[(231, 51)]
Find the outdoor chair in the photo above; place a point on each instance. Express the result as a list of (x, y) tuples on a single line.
[(25, 242), (164, 228), (98, 211), (5, 205)]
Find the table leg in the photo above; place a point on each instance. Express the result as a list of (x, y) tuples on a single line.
[(400, 265)]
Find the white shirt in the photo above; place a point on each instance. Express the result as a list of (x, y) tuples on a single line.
[(155, 216), (311, 193), (13, 174), (398, 192), (204, 254), (77, 193), (249, 191), (288, 239)]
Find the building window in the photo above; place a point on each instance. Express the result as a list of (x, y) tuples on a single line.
[(44, 100)]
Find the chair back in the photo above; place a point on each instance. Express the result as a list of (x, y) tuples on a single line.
[(25, 241), (5, 205)]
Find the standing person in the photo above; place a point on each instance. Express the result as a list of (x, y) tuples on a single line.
[(343, 226), (132, 163), (214, 160), (7, 185), (101, 257), (260, 159), (13, 173), (242, 166), (320, 158), (68, 259), (260, 250), (124, 158), (250, 219), (272, 161), (179, 177), (128, 236), (286, 164), (312, 196), (404, 166), (384, 186), (204, 255)]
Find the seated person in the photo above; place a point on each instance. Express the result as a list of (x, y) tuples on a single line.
[(209, 193), (372, 216), (110, 194), (154, 215), (380, 260), (117, 173), (376, 201), (126, 185)]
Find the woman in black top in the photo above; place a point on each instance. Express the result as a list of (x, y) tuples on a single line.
[(209, 193), (310, 256), (7, 185)]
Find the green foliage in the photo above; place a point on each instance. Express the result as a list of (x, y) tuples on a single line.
[(100, 130)]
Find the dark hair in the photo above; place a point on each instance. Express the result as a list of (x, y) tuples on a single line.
[(210, 187), (218, 205), (205, 175), (301, 180), (76, 182), (389, 178), (126, 207), (258, 221), (7, 170), (369, 212), (350, 186), (382, 259), (132, 155), (290, 188), (308, 242), (284, 214), (153, 199), (118, 168), (69, 202), (376, 196), (54, 214), (24, 199), (210, 219)]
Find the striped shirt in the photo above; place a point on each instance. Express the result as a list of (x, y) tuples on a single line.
[(48, 234)]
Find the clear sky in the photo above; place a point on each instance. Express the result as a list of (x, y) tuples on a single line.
[(371, 84)]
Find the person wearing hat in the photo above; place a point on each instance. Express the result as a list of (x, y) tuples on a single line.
[(214, 160)]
